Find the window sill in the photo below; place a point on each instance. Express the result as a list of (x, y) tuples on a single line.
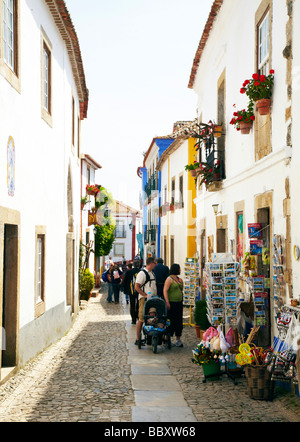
[(40, 309), (10, 76), (47, 117)]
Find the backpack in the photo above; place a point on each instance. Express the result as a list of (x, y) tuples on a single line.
[(148, 279), (132, 283), (104, 276)]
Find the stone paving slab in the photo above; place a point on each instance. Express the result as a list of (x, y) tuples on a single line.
[(159, 398), (154, 383), (162, 414), (154, 369), (146, 359)]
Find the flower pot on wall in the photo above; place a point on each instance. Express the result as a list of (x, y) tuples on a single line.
[(263, 106), (245, 127)]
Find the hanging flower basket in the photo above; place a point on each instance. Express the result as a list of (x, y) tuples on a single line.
[(259, 89), (192, 168), (263, 106), (243, 119), (245, 127), (92, 190)]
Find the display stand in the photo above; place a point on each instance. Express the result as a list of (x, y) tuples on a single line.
[(189, 324), (222, 292), (191, 285), (221, 373), (222, 297)]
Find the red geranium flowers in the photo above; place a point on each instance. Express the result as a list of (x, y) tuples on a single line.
[(259, 87)]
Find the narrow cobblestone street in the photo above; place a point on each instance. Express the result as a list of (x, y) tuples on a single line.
[(96, 373)]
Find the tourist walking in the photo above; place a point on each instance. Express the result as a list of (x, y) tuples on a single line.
[(125, 286), (146, 287), (161, 273), (116, 282), (109, 283), (173, 290), (129, 287)]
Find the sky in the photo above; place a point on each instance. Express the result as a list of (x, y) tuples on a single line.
[(137, 57)]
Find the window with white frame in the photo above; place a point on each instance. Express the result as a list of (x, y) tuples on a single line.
[(119, 249), (9, 33), (264, 45)]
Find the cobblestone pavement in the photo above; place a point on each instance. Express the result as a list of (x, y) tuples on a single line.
[(86, 377), (222, 401), (83, 377)]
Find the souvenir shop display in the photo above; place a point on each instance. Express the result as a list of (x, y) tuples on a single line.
[(278, 274), (222, 292), (281, 358), (217, 350), (191, 281), (260, 299)]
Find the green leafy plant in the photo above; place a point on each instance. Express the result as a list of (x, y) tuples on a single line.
[(200, 315), (192, 166), (85, 200), (86, 284)]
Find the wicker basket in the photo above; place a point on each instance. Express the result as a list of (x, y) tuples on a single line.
[(260, 386)]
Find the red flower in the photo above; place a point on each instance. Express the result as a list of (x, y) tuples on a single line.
[(272, 71), (255, 77), (262, 78), (257, 83), (243, 91), (252, 117)]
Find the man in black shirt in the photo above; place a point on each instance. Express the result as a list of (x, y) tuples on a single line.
[(161, 272), (128, 284)]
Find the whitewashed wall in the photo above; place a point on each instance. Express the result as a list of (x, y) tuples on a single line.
[(173, 167), (295, 175), (43, 156), (231, 46)]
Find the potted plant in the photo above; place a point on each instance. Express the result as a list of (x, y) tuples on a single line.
[(86, 283), (207, 173), (204, 134), (84, 201), (192, 168), (92, 190), (217, 171), (260, 89), (200, 318), (209, 360), (243, 119)]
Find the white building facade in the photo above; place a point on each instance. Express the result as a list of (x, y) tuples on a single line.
[(43, 99), (128, 225), (177, 209), (259, 183), (89, 166)]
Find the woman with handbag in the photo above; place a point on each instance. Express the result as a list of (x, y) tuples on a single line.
[(173, 289)]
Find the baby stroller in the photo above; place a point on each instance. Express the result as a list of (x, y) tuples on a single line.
[(156, 324)]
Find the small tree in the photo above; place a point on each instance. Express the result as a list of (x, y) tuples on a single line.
[(105, 234)]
